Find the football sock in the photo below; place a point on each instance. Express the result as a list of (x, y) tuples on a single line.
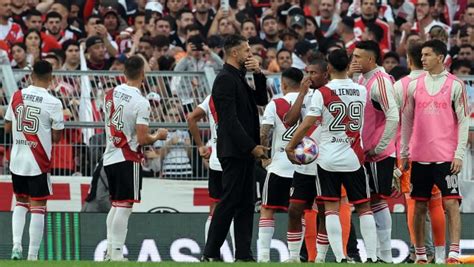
[(333, 227), (119, 231), (369, 234), (310, 234), (266, 228), (295, 240), (420, 253), (345, 217), (383, 222), (454, 251), (322, 247), (110, 219), (438, 226), (36, 231), (18, 222), (232, 235)]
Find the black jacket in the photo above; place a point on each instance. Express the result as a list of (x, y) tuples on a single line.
[(238, 126)]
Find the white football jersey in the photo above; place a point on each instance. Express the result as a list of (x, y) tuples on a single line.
[(273, 115), (125, 107), (340, 104), (208, 106), (308, 169), (33, 113)]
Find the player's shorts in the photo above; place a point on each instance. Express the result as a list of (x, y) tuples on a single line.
[(125, 181), (356, 183), (215, 185), (425, 176), (276, 192), (303, 189), (380, 177), (36, 187), (405, 181)]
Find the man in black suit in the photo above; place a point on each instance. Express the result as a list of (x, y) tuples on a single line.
[(238, 140)]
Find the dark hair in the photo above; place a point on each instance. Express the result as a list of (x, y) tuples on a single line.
[(42, 69), (133, 67), (53, 14), (166, 62), (399, 72), (181, 12), (267, 17), (146, 39), (59, 53), (161, 41), (139, 14), (471, 5), (94, 16), (283, 50), (339, 59), (191, 27), (372, 47), (249, 20), (414, 53), (33, 13), (232, 41), (30, 31), (294, 75), (439, 48), (377, 31), (66, 44), (466, 46), (392, 54), (321, 63), (457, 64), (21, 45)]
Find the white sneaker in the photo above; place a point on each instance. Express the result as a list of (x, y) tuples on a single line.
[(32, 257), (107, 257), (293, 260), (17, 253), (119, 259)]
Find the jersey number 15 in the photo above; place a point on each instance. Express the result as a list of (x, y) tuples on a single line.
[(27, 119)]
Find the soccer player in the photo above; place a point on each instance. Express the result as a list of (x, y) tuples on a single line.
[(207, 108), (276, 189), (381, 118), (338, 109), (434, 137), (127, 116), (438, 219), (303, 187), (35, 119)]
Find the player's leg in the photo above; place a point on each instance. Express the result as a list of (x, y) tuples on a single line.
[(448, 185), (422, 182), (109, 171), (310, 233), (438, 226), (215, 192), (20, 188), (345, 217), (40, 189), (322, 241), (266, 224)]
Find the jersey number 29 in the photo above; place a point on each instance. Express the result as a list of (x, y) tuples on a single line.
[(346, 117)]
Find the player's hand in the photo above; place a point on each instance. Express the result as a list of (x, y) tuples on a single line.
[(290, 153), (204, 152), (456, 166), (371, 152), (161, 134), (253, 65), (404, 165), (305, 84), (260, 152), (354, 68)]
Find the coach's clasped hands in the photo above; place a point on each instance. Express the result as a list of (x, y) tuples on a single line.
[(260, 152)]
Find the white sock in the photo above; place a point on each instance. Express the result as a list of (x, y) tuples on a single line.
[(18, 223), (232, 235), (119, 231), (420, 254), (369, 234), (454, 251), (295, 240), (36, 231), (322, 245), (334, 229), (266, 228), (206, 227), (440, 254), (383, 222), (110, 219)]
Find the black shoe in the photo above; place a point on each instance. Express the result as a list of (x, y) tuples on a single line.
[(208, 259), (371, 261), (380, 261), (246, 260)]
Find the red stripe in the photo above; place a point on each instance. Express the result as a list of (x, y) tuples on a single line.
[(24, 205), (282, 107), (328, 98), (297, 201), (369, 212), (127, 200), (212, 108), (360, 201), (275, 207), (122, 143), (383, 91), (39, 153)]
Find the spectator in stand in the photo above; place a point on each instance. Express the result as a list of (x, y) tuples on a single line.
[(345, 31), (373, 32), (466, 53), (33, 44), (53, 27), (328, 18), (145, 47), (424, 19), (33, 20), (183, 18), (369, 13), (399, 72), (72, 60), (174, 7), (19, 10), (390, 60), (19, 55), (289, 38), (139, 22), (403, 11), (203, 15), (197, 54), (161, 45), (256, 46), (9, 31), (270, 29), (69, 32), (224, 23), (112, 21), (248, 29), (95, 49), (461, 67), (284, 59), (302, 53), (468, 17), (95, 27), (54, 60), (163, 27), (298, 24)]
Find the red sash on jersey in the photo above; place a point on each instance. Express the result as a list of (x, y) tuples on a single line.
[(212, 107), (38, 151), (128, 153), (282, 107)]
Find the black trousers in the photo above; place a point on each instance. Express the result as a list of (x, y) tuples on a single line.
[(237, 202)]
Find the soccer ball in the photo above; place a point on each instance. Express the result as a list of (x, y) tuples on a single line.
[(307, 150)]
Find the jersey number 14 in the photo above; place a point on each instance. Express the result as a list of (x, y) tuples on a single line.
[(116, 119)]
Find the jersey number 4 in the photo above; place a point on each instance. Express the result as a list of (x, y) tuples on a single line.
[(117, 117), (27, 119), (346, 117)]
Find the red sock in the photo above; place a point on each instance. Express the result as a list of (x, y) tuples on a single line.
[(310, 233)]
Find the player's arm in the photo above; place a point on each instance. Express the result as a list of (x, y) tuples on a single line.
[(144, 138), (398, 94), (459, 96), (265, 131), (407, 124), (294, 114), (268, 122), (8, 117), (193, 118), (382, 92), (57, 122), (8, 126)]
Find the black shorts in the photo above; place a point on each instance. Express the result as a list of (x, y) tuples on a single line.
[(276, 192), (424, 176), (36, 187), (125, 181), (215, 185), (380, 177), (328, 185), (303, 189)]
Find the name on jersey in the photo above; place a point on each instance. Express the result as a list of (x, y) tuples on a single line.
[(344, 140), (122, 96), (26, 143), (32, 98), (345, 91)]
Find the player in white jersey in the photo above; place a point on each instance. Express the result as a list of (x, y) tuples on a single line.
[(207, 109), (338, 108), (127, 116), (276, 189), (35, 118)]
